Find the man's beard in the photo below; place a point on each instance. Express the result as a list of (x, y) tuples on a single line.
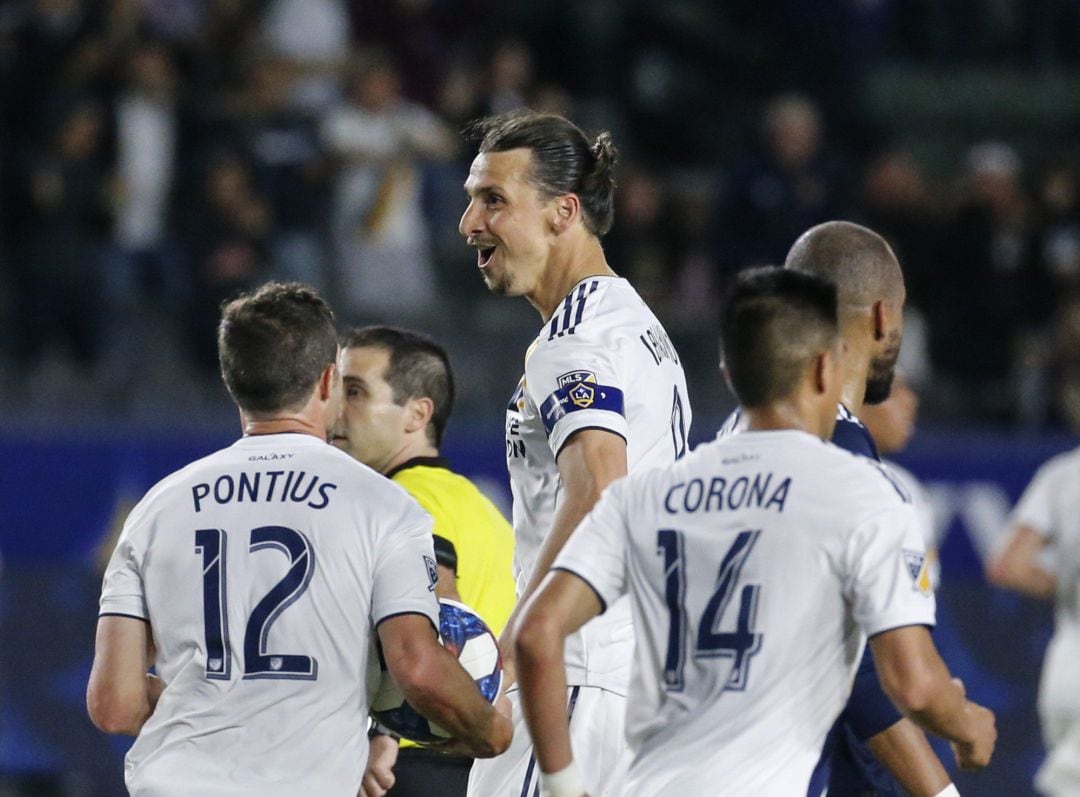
[(879, 380)]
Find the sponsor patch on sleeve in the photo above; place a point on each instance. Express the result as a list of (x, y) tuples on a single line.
[(578, 390), (918, 567)]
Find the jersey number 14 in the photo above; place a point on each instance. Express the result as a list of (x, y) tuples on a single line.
[(740, 644)]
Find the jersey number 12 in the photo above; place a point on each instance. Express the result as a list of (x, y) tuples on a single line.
[(258, 662), (740, 644)]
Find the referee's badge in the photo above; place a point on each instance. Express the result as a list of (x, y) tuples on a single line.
[(432, 573)]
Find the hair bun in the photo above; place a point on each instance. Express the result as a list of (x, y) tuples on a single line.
[(603, 149)]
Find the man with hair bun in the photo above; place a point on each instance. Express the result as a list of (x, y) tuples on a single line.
[(603, 394)]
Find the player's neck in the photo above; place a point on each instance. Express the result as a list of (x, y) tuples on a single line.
[(793, 414), (856, 371), (568, 265), (284, 425)]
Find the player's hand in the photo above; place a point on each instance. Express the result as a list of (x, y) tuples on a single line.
[(379, 772), (975, 753)]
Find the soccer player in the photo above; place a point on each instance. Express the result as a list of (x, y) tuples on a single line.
[(871, 293), (1045, 527), (752, 596), (256, 581), (398, 394), (603, 393)]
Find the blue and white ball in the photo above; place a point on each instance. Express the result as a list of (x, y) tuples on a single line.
[(464, 634)]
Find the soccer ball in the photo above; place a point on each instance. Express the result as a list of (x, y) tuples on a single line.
[(464, 634)]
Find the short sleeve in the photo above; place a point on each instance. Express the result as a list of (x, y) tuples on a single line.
[(887, 576), (1035, 509), (122, 590), (596, 551), (405, 572), (576, 384)]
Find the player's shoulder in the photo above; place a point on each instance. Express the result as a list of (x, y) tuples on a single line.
[(1063, 466)]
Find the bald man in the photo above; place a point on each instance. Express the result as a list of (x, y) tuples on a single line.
[(870, 297)]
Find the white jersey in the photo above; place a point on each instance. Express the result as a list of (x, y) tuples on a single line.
[(602, 361), (757, 566), (263, 570), (1050, 506)]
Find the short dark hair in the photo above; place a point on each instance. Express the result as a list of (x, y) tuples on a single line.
[(564, 159), (274, 343), (855, 258), (775, 322), (418, 368)]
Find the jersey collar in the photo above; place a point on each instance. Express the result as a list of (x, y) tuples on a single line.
[(426, 462)]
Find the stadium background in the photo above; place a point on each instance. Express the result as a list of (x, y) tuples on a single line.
[(157, 156)]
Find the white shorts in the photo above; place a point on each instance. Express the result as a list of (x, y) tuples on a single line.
[(598, 738)]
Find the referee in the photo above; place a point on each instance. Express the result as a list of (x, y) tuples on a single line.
[(398, 393)]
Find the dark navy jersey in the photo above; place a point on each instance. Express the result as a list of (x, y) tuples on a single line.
[(847, 765)]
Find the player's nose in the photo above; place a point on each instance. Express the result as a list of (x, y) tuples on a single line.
[(470, 223)]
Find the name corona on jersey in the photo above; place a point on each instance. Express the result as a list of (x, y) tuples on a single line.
[(296, 487), (716, 495)]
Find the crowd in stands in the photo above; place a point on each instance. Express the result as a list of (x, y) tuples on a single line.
[(157, 156)]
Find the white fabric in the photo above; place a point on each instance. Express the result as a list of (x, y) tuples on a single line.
[(597, 733), (369, 557), (808, 579), (597, 334), (1050, 506)]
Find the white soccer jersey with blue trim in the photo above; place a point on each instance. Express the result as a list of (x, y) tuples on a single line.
[(756, 567), (263, 570), (604, 361)]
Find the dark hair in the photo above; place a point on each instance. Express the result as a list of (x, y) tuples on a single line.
[(564, 159), (775, 322), (273, 344), (418, 368)]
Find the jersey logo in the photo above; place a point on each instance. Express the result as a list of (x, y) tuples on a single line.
[(276, 662), (573, 377), (582, 395), (432, 573), (918, 568)]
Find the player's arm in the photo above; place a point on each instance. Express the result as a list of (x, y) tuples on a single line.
[(121, 694), (914, 676), (1017, 567), (379, 775), (904, 751), (563, 604), (437, 686), (589, 461)]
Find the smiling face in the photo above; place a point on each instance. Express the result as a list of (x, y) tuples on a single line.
[(370, 427), (508, 221)]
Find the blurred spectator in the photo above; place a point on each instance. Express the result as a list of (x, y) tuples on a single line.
[(59, 281), (312, 37), (640, 244), (789, 187), (987, 289), (282, 145), (229, 229), (511, 76), (380, 141)]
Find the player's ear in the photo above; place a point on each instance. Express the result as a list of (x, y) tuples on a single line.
[(567, 209), (328, 381), (418, 413), (880, 314), (823, 372)]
